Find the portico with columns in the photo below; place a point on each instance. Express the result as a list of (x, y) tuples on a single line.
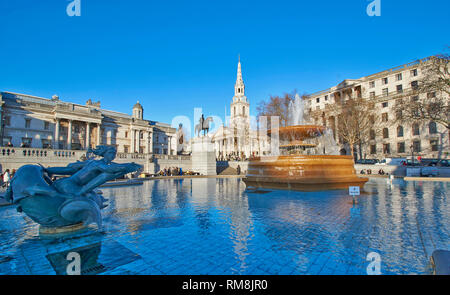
[(37, 122)]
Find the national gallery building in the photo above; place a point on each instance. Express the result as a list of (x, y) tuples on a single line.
[(35, 122)]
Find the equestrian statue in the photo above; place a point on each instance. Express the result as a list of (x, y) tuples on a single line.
[(203, 125)]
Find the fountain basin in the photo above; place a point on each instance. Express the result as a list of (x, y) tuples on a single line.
[(298, 132), (303, 172)]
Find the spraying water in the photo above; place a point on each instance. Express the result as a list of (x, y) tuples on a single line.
[(297, 111), (326, 145)]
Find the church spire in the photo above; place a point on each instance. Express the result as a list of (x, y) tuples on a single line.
[(239, 88)]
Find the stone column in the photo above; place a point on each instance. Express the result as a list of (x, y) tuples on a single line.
[(149, 143), (56, 139), (133, 141), (139, 141), (88, 135), (69, 136), (99, 134), (169, 145)]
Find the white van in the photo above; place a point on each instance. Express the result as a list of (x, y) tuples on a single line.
[(392, 161)]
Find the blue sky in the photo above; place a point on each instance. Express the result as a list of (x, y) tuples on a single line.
[(173, 56)]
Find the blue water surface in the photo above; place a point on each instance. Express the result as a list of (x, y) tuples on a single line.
[(216, 226)]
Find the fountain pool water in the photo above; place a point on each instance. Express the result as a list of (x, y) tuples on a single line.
[(215, 226)]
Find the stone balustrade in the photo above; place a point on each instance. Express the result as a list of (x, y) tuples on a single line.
[(13, 158)]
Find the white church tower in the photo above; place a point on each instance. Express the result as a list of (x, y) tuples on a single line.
[(240, 108)]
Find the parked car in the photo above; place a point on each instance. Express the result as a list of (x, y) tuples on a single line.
[(429, 171), (392, 161), (367, 161), (444, 163), (429, 162), (409, 162)]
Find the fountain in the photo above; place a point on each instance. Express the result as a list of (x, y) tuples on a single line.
[(308, 158)]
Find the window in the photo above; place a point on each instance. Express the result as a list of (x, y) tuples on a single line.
[(431, 94), (372, 84), (46, 125), (385, 91), (326, 97), (26, 142), (414, 73), (384, 104), (414, 85), (401, 147), (416, 146), (372, 134), (373, 149), (432, 127), (415, 129), (7, 140), (400, 88), (384, 117), (415, 98), (399, 77), (126, 134), (7, 120), (400, 131), (398, 114), (318, 99), (385, 81), (386, 148), (385, 133), (434, 145), (141, 135), (27, 123), (46, 143), (372, 94)]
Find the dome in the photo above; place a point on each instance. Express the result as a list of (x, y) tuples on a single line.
[(137, 105)]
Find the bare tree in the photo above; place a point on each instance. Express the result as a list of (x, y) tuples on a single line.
[(356, 121), (429, 100), (278, 106)]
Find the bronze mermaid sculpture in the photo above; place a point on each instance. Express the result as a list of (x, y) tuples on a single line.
[(68, 200)]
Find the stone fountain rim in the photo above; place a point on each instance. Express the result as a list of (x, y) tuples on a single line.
[(289, 129)]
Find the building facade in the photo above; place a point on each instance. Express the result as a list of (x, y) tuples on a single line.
[(35, 122), (384, 89)]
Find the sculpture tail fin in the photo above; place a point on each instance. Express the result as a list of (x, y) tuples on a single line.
[(81, 210)]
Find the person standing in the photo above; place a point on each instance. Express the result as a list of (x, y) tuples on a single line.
[(6, 178)]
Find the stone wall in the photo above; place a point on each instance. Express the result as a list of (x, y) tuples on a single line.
[(397, 170), (14, 158)]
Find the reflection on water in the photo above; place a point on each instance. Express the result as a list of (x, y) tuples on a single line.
[(215, 226)]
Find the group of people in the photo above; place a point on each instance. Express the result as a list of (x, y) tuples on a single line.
[(171, 171), (6, 177), (369, 171)]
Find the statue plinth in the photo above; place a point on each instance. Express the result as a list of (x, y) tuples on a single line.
[(61, 230), (203, 156)]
